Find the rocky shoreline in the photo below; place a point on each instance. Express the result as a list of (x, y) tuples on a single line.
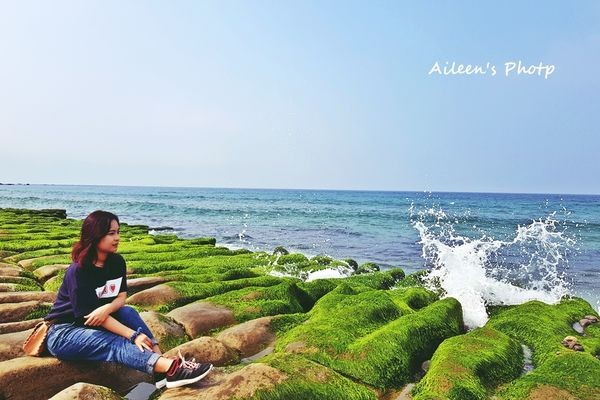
[(273, 335)]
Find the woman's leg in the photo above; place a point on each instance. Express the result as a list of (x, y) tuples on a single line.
[(129, 317), (70, 342)]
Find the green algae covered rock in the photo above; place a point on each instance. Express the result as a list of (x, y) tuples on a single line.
[(559, 372), (541, 326), (364, 333), (306, 379), (294, 258), (280, 251), (470, 366), (377, 280), (367, 268), (569, 375), (488, 362), (254, 302)]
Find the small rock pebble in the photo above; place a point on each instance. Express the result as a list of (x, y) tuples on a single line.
[(571, 343)]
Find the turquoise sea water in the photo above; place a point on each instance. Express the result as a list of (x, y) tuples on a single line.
[(529, 240)]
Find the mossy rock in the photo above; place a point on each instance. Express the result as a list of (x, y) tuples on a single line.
[(364, 333), (204, 241), (541, 326), (471, 366), (294, 258), (416, 279), (5, 254), (568, 375), (391, 356), (280, 251), (53, 284), (21, 282), (322, 260), (351, 263), (255, 302), (280, 324), (415, 298), (190, 292), (559, 371), (309, 380), (378, 280), (367, 268)]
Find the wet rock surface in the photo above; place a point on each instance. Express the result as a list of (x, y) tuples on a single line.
[(201, 317)]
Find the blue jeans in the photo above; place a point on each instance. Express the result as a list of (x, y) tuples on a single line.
[(71, 342)]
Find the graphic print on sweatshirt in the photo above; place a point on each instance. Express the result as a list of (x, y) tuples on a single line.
[(110, 288)]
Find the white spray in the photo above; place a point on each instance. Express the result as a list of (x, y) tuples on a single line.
[(461, 266)]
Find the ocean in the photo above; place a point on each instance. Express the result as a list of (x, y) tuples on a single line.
[(490, 247)]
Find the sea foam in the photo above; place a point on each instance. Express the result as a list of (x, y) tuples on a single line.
[(476, 271)]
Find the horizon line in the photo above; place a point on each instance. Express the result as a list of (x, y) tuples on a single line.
[(301, 189)]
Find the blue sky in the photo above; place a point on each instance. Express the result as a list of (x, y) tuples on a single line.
[(323, 95)]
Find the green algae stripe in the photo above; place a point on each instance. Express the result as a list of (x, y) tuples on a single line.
[(541, 326), (571, 375), (255, 302), (559, 372), (191, 292), (470, 366), (309, 380), (391, 356), (370, 336)]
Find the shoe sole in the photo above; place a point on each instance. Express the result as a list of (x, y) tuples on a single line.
[(161, 384), (171, 385)]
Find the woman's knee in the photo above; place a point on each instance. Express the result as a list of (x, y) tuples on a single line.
[(127, 311)]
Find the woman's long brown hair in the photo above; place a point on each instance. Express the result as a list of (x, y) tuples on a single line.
[(95, 227)]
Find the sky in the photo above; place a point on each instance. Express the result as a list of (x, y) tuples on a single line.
[(301, 94)]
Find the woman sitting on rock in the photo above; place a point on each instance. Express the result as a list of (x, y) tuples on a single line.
[(91, 320)]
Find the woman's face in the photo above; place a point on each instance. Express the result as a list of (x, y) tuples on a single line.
[(110, 242)]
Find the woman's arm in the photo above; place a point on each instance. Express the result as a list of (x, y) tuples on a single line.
[(114, 326), (99, 315)]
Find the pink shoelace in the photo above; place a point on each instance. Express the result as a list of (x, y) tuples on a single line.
[(190, 364)]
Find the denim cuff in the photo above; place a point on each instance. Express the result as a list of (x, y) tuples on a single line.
[(151, 361)]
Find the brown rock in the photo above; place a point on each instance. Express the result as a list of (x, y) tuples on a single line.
[(8, 287), (40, 378), (11, 344), (571, 343), (17, 297), (11, 312), (569, 340), (206, 349), (28, 264), (163, 328), (10, 270), (155, 296), (249, 337), (19, 326), (584, 322), (139, 284), (201, 317), (242, 384), (86, 391), (48, 271), (592, 318), (577, 347), (17, 279)]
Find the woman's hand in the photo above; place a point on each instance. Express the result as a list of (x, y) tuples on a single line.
[(143, 342), (98, 316)]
